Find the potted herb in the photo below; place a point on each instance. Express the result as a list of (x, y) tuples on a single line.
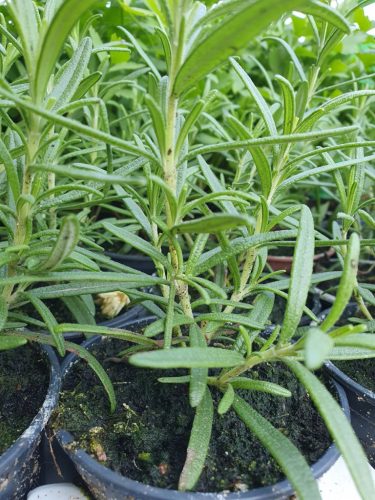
[(221, 351), (40, 256)]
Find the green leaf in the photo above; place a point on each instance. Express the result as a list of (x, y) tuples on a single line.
[(226, 401), (141, 52), (11, 38), (260, 385), (362, 340), (237, 28), (317, 347), (301, 274), (326, 14), (257, 96), (188, 124), (69, 79), (215, 185), (198, 376), (65, 244), (344, 353), (347, 283), (79, 288), (135, 210), (289, 103), (260, 159), (263, 306), (118, 333), (98, 369), (188, 357), (68, 14), (183, 379), (302, 96), (339, 428), (157, 121), (211, 224), (88, 173), (230, 318), (367, 295), (25, 18), (11, 171), (79, 310), (169, 194), (86, 84), (263, 141), (198, 443), (348, 329), (195, 252), (331, 167), (49, 319), (8, 343), (367, 218), (86, 276), (283, 451), (329, 106)]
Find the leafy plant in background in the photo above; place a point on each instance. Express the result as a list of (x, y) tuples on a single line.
[(213, 289)]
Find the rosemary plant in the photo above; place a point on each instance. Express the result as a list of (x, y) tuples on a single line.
[(43, 256), (221, 292), (224, 290)]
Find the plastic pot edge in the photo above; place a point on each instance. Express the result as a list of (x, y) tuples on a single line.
[(282, 489), (29, 439), (347, 381)]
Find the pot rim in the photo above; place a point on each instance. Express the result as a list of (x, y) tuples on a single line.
[(8, 458), (83, 460), (344, 379)]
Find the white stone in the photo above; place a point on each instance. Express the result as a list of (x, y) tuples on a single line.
[(62, 491)]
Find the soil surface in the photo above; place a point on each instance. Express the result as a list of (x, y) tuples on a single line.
[(147, 436), (360, 370), (24, 378)]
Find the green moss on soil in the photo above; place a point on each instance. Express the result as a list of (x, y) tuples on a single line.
[(147, 436), (24, 378), (360, 370)]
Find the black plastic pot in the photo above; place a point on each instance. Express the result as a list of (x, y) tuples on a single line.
[(361, 400), (20, 464), (105, 483), (362, 409)]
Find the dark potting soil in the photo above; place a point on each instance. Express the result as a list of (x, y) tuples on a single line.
[(147, 436), (24, 378), (360, 370)]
